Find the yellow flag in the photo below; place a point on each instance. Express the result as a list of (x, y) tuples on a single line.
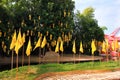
[(18, 44), (59, 39), (0, 33), (4, 48), (29, 48), (57, 47), (107, 45), (50, 36), (61, 46), (113, 45), (53, 43), (64, 13), (93, 46), (44, 42), (23, 38), (116, 44), (12, 45), (74, 47), (38, 43), (103, 47), (30, 17), (81, 47)]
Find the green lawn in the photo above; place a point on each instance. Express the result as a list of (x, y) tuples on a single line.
[(36, 70)]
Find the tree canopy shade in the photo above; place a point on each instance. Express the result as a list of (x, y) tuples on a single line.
[(87, 29), (35, 17)]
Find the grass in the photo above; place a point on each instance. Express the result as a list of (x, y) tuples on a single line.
[(36, 70)]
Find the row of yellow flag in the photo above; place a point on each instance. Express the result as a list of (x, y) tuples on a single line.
[(18, 42), (113, 45), (81, 47)]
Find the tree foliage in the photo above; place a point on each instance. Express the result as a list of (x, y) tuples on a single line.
[(47, 17), (87, 29)]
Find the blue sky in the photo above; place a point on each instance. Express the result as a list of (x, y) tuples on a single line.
[(107, 12)]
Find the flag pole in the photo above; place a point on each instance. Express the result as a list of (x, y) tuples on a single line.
[(62, 54), (43, 54), (12, 60), (17, 67), (93, 57), (17, 63), (118, 58), (39, 55), (74, 57), (28, 63), (58, 57), (107, 56), (61, 57), (79, 56), (23, 57)]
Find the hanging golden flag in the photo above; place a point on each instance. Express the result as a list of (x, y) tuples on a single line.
[(61, 24), (5, 48), (64, 13), (50, 36), (53, 43), (31, 33), (38, 43), (28, 32), (8, 37), (34, 21), (47, 33), (38, 17), (12, 45), (35, 28), (68, 14), (61, 46), (103, 47), (113, 45), (106, 43), (59, 39), (23, 38), (66, 25), (74, 47), (63, 35), (69, 36), (57, 47), (93, 46), (0, 34), (18, 44), (22, 23), (81, 47), (116, 44), (44, 42), (30, 17), (29, 48), (53, 25), (3, 43), (39, 34), (66, 38), (4, 34)]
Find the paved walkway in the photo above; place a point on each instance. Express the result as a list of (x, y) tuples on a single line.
[(87, 76)]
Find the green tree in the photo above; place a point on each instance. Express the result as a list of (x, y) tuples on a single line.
[(103, 27), (48, 17), (86, 29)]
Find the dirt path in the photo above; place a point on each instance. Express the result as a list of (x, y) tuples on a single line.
[(82, 75)]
